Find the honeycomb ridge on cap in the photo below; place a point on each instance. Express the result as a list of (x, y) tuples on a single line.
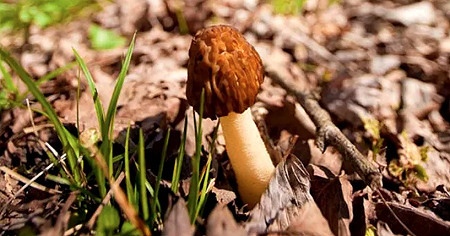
[(229, 69)]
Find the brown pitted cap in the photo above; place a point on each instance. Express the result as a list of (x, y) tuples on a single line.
[(229, 69)]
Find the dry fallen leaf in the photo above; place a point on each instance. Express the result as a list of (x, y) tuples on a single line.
[(221, 222), (178, 222), (334, 198), (418, 222), (282, 204), (383, 229)]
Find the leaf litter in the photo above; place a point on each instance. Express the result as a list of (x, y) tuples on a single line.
[(381, 60)]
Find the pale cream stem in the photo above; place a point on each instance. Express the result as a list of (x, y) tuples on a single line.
[(248, 155)]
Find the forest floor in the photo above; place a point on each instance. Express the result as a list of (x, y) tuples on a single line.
[(381, 68)]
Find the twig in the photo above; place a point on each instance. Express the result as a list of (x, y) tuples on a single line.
[(63, 217), (32, 180), (328, 134), (37, 176), (105, 201), (395, 215), (25, 180)]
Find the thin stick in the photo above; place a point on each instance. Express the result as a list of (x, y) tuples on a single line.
[(105, 201), (37, 176), (395, 215), (31, 182), (25, 180), (327, 133), (63, 217)]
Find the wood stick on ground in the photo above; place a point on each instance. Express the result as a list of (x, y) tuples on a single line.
[(27, 181), (328, 134), (106, 200), (63, 218)]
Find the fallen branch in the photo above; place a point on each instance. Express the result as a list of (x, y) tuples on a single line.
[(328, 134)]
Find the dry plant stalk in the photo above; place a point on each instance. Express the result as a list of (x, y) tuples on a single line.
[(105, 201)]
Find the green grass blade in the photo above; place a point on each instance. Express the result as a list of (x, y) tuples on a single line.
[(57, 179), (108, 127), (112, 108), (9, 83), (142, 177), (194, 188), (78, 102), (97, 103), (204, 179), (211, 149), (129, 187), (55, 73), (51, 114), (179, 162), (159, 176), (118, 158), (110, 159), (118, 170), (205, 183)]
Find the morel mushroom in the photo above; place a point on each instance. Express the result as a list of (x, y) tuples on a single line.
[(230, 71)]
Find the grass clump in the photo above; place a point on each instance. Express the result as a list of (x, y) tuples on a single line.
[(140, 200)]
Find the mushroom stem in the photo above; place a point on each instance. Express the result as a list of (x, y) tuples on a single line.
[(248, 155)]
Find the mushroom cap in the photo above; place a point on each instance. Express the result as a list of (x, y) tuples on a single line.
[(229, 69)]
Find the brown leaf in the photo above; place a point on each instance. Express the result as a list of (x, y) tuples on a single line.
[(419, 97), (178, 222), (282, 203), (383, 229), (440, 206), (310, 222), (223, 196), (418, 222), (221, 222), (367, 96), (358, 225), (333, 196)]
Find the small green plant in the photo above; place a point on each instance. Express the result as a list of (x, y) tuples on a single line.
[(373, 126), (179, 161), (141, 196), (20, 15), (10, 96), (108, 221), (103, 39), (292, 7), (69, 142), (287, 7), (407, 168)]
